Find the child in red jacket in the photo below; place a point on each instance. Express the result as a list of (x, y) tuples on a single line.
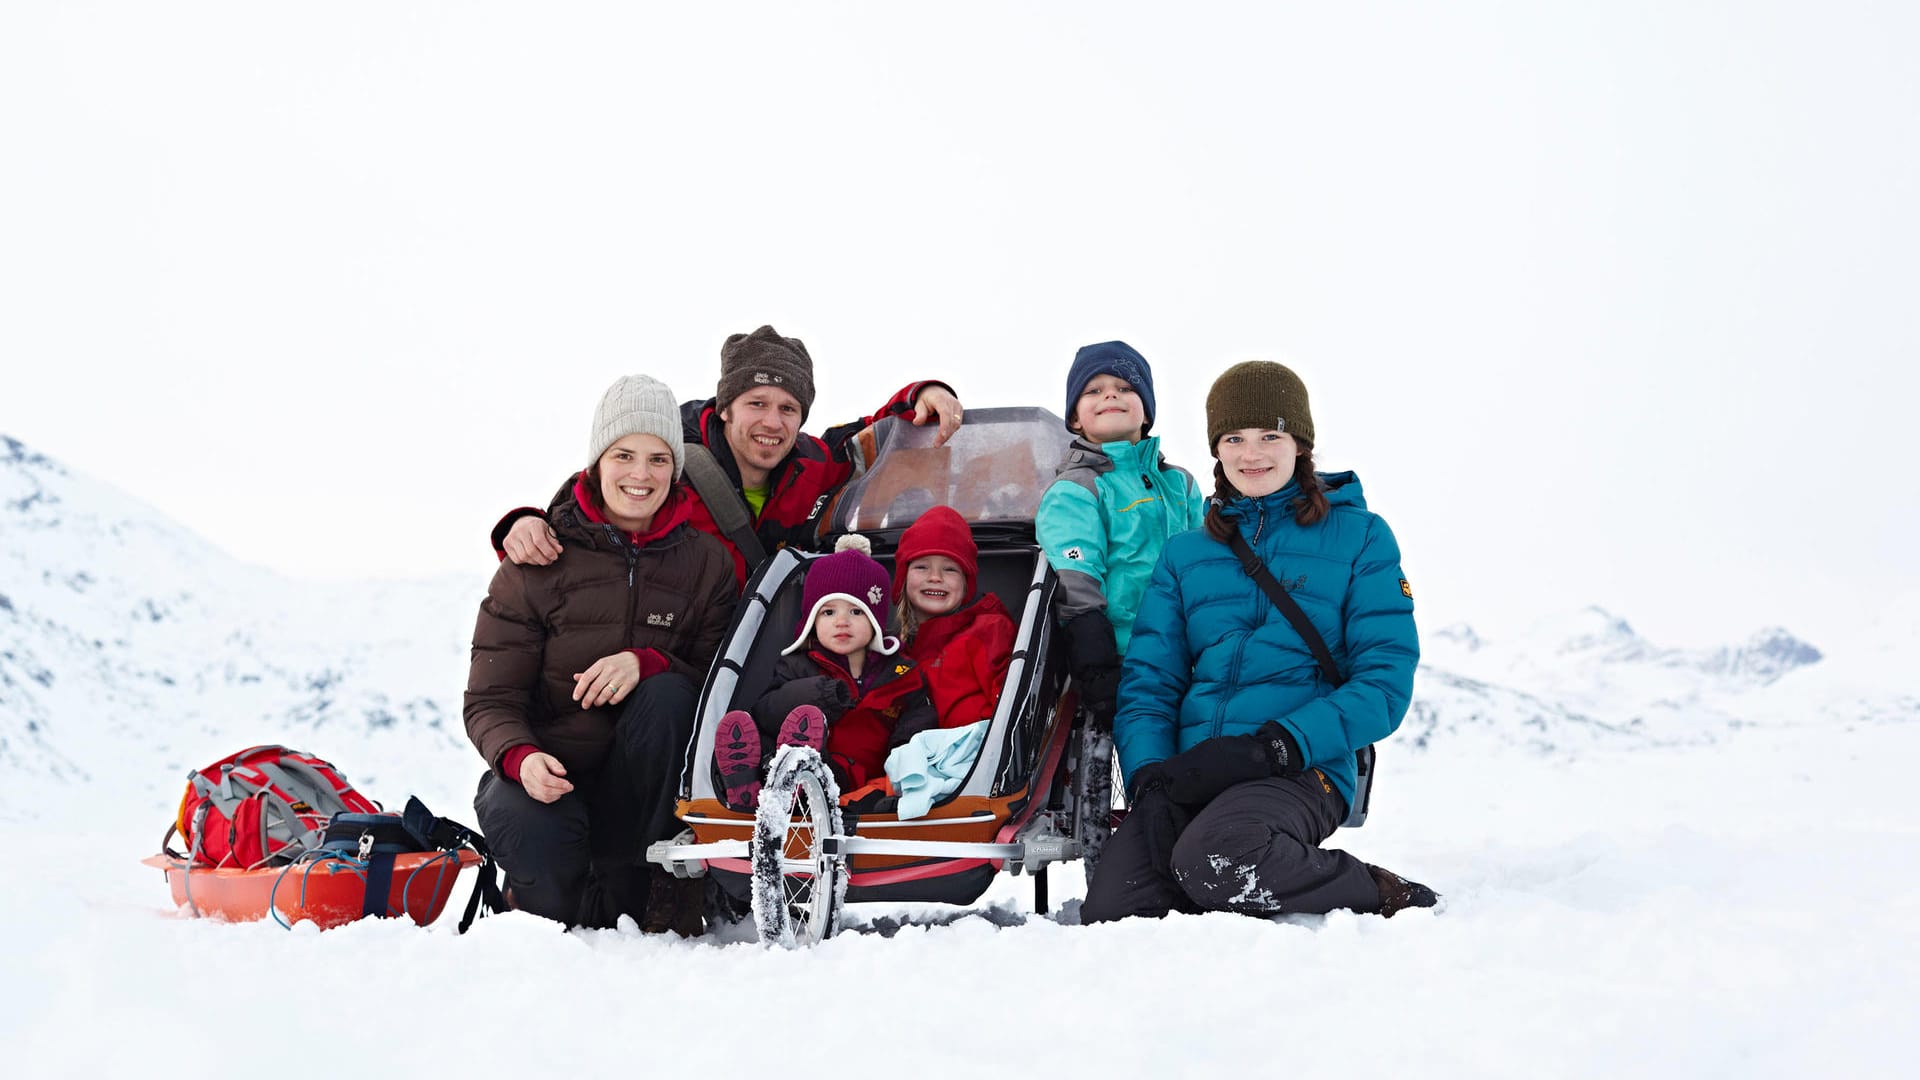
[(845, 692), (962, 642)]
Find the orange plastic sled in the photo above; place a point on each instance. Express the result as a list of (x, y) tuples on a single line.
[(327, 893)]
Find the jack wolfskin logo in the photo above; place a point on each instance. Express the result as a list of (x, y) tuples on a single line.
[(1406, 590), (899, 669), (657, 619), (874, 593), (1073, 553), (1280, 424), (765, 378), (817, 505)]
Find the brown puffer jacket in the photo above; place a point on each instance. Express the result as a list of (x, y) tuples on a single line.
[(674, 592)]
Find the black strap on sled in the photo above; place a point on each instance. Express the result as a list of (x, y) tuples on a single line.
[(376, 839), (1363, 758), (450, 835), (724, 501)]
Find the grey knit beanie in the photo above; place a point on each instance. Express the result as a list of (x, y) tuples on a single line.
[(764, 358), (1257, 394), (638, 405)]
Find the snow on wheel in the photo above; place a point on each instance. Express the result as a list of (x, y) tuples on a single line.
[(1095, 783), (797, 885)]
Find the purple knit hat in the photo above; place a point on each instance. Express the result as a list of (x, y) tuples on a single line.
[(847, 574)]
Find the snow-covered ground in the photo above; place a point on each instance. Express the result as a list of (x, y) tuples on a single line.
[(1653, 862), (1742, 909)]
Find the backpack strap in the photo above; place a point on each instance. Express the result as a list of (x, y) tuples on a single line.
[(1289, 607), (1363, 758), (311, 782), (724, 501)]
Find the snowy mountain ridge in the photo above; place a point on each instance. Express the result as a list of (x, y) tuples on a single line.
[(132, 649)]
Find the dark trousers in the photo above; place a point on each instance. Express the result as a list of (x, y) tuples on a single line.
[(1254, 849), (578, 859)]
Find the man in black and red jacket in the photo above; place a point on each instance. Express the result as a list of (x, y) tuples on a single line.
[(752, 428)]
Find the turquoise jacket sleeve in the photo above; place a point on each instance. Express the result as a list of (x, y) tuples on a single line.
[(1383, 649), (1074, 536), (1156, 675)]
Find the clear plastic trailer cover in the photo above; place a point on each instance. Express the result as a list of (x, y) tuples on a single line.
[(993, 470)]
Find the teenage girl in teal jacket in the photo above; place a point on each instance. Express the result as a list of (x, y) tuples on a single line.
[(1237, 751)]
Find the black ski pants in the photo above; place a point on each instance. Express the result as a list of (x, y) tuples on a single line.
[(1254, 849), (578, 859)]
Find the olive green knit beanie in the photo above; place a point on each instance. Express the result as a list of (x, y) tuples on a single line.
[(1257, 394)]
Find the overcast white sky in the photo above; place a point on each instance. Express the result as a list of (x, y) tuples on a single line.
[(1608, 303)]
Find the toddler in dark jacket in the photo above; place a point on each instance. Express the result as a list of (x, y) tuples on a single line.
[(841, 687)]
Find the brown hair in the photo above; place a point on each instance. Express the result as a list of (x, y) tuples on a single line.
[(594, 499), (1308, 508), (907, 617)]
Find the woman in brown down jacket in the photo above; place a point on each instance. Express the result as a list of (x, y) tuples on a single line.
[(585, 675)]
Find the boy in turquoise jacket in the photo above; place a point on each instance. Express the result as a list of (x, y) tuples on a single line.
[(1112, 506)]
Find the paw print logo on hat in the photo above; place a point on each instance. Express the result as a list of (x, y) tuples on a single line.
[(874, 594)]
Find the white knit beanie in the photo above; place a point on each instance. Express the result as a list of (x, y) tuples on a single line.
[(638, 405)]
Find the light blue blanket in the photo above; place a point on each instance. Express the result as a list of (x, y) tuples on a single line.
[(932, 764)]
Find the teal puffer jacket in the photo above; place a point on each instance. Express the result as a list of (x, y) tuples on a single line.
[(1211, 655), (1103, 521)]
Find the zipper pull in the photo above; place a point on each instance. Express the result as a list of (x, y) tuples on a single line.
[(1148, 480)]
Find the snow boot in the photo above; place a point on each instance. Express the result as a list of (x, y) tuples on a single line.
[(805, 726), (661, 899), (1397, 894), (736, 750), (689, 906)]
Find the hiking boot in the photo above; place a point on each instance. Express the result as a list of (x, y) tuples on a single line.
[(736, 750), (1397, 894), (674, 903), (662, 899), (805, 726), (690, 906)]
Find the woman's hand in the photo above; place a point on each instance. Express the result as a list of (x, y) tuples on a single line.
[(608, 681), (544, 777), (530, 542)]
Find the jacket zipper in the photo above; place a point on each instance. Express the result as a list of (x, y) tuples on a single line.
[(633, 594)]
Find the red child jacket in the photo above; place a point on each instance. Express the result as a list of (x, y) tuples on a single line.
[(963, 656)]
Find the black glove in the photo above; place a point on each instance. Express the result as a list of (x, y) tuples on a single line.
[(1095, 663), (840, 693), (1161, 822), (1194, 777), (1161, 819)]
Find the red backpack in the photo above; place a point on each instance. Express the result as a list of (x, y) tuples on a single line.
[(263, 805)]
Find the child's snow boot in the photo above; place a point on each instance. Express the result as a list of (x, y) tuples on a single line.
[(805, 726), (736, 750), (1398, 894)]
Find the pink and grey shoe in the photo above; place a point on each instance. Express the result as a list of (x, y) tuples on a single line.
[(736, 751), (805, 726)]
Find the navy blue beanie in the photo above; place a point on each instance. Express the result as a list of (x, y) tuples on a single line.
[(1110, 358)]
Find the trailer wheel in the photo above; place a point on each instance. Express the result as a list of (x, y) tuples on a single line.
[(1094, 783), (798, 886)]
